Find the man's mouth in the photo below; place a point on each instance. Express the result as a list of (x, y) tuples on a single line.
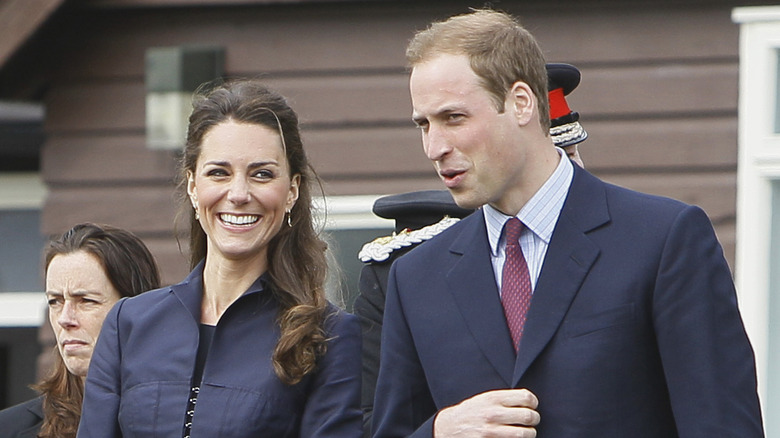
[(452, 178)]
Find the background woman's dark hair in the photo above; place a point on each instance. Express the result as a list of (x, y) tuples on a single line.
[(131, 268), (297, 261)]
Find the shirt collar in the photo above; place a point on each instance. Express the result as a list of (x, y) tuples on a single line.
[(540, 213)]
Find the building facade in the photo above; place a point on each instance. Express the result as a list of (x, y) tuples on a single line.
[(659, 98)]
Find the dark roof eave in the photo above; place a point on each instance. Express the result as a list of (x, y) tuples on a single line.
[(20, 20)]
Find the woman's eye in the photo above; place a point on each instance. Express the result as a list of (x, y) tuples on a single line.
[(263, 174), (216, 172)]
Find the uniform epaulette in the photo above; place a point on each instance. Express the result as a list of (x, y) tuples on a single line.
[(380, 249), (568, 134)]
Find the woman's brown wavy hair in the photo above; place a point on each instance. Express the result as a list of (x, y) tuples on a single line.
[(131, 268), (297, 261)]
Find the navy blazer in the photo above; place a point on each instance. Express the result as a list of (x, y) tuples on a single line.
[(23, 420), (140, 375), (633, 329)]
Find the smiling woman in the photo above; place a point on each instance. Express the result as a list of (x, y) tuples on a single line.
[(88, 270), (247, 345), (241, 188)]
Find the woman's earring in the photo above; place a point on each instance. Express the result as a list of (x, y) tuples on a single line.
[(289, 219), (194, 201)]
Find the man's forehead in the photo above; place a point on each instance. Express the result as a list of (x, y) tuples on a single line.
[(444, 67), (436, 90)]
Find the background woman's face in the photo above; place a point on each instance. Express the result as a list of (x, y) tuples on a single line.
[(80, 295)]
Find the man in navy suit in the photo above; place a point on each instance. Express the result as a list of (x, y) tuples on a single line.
[(633, 328)]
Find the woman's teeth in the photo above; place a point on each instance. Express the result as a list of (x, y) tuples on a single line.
[(244, 219)]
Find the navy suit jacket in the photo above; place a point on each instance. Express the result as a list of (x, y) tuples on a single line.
[(140, 375), (23, 420), (633, 329)]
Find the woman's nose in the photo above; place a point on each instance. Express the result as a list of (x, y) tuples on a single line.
[(68, 316), (238, 192)]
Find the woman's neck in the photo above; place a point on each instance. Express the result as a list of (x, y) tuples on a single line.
[(224, 281)]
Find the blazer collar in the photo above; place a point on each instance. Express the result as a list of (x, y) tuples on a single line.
[(473, 286), (35, 407), (570, 256), (190, 290)]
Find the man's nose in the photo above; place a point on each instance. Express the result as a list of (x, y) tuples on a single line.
[(435, 143)]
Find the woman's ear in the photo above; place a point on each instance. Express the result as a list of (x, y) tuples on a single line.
[(292, 196), (522, 100), (191, 189)]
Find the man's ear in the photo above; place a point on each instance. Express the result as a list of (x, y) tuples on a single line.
[(522, 100)]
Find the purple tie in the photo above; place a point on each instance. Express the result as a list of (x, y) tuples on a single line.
[(515, 282)]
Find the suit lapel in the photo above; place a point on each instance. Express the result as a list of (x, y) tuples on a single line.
[(35, 407), (570, 256), (190, 291), (31, 432), (473, 286)]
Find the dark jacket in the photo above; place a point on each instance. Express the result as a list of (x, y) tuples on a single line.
[(633, 329), (369, 307), (23, 420), (139, 379)]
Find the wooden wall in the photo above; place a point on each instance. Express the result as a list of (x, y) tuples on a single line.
[(658, 97)]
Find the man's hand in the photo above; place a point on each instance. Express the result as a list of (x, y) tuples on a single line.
[(499, 413)]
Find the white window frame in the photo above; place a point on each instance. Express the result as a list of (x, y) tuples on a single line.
[(22, 190), (758, 167), (351, 213)]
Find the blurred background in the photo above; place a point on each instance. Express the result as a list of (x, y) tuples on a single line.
[(680, 98)]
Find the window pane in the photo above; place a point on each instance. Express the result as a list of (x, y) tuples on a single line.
[(345, 245), (777, 92), (20, 251), (772, 402)]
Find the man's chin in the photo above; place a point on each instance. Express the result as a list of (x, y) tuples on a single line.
[(465, 199)]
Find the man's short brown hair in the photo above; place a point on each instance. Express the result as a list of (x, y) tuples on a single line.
[(500, 51)]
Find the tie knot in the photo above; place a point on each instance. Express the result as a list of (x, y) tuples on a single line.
[(512, 229)]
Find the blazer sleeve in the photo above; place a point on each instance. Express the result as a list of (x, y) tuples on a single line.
[(403, 405), (707, 357), (100, 410), (369, 307), (333, 403)]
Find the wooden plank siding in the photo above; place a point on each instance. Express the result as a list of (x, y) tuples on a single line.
[(658, 97)]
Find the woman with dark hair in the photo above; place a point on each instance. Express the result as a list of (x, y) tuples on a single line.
[(88, 269), (247, 345)]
